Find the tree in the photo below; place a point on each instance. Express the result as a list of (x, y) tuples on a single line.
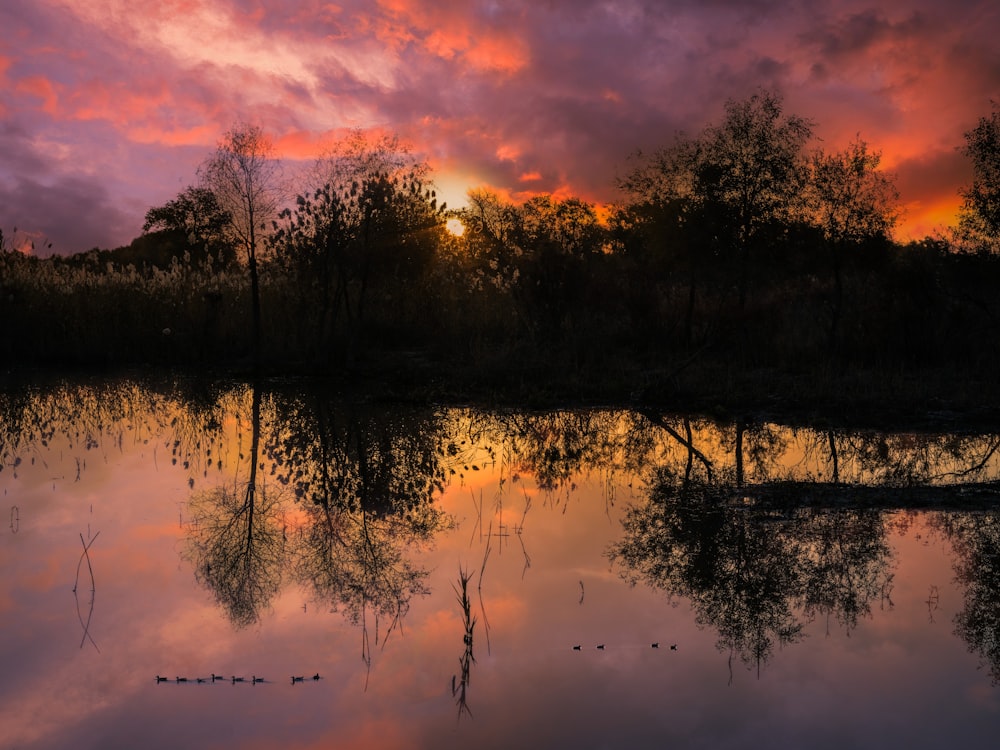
[(491, 223), (561, 243), (197, 216), (979, 217), (750, 171), (374, 225), (243, 174), (850, 199), (852, 202), (738, 177)]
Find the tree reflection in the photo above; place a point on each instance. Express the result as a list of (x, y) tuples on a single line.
[(755, 575), (236, 539), (976, 540), (847, 565), (367, 481), (356, 563)]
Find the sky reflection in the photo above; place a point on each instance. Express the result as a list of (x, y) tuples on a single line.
[(899, 675)]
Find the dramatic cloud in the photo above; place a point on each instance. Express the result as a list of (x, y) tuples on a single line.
[(108, 106)]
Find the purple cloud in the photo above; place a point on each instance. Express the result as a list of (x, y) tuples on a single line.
[(127, 97)]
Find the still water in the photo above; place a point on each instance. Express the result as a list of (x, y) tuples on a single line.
[(448, 577)]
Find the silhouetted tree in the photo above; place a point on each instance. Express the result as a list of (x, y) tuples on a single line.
[(374, 225), (196, 215), (243, 174), (979, 218), (852, 202), (727, 188), (750, 170), (559, 242)]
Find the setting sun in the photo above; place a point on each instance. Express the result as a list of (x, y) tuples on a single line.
[(455, 226)]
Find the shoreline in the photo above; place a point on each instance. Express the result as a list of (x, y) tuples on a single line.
[(919, 400)]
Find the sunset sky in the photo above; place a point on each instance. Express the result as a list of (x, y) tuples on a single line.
[(108, 106)]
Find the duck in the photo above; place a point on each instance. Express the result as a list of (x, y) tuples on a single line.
[(239, 679), (576, 648), (317, 677), (673, 647), (656, 645), (600, 647), (217, 677), (200, 680), (297, 679), (160, 679), (182, 679), (256, 679)]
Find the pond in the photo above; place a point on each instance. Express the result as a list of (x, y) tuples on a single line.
[(209, 564)]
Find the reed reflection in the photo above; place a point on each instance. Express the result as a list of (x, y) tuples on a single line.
[(460, 683)]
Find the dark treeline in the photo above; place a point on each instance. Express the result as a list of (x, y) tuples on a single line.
[(739, 255)]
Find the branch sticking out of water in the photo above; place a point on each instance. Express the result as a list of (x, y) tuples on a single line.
[(93, 591)]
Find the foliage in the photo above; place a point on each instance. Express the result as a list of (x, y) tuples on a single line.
[(197, 216), (979, 219), (848, 198), (545, 294), (372, 230)]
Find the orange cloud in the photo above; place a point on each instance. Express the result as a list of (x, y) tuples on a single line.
[(304, 144), (530, 176), (501, 54), (507, 152), (197, 135), (451, 35), (928, 219)]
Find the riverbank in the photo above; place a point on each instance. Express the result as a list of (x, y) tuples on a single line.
[(918, 399), (927, 399)]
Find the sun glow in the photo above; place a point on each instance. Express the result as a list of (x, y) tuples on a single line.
[(455, 226)]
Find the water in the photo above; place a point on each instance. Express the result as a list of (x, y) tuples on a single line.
[(829, 589)]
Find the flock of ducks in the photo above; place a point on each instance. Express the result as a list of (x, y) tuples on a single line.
[(600, 646), (316, 677), (234, 679)]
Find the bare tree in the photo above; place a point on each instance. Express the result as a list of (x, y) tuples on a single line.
[(244, 175)]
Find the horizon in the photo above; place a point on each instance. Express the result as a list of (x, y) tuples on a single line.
[(109, 107)]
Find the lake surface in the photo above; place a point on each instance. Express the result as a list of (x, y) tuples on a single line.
[(458, 577)]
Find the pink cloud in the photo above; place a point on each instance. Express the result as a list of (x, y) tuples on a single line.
[(491, 92), (41, 89)]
